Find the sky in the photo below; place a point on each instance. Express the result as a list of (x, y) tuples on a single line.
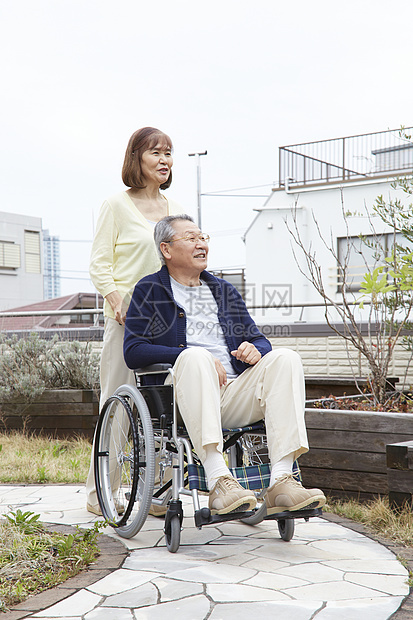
[(236, 78)]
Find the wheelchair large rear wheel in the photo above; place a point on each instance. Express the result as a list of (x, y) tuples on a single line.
[(124, 461)]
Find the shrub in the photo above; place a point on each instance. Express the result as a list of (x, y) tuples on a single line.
[(75, 365), (29, 366)]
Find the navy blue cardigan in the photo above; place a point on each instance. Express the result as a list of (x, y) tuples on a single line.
[(155, 330)]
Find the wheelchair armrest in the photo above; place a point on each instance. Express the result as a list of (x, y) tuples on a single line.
[(153, 369)]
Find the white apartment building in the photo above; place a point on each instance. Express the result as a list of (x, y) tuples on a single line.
[(317, 182), (21, 265)]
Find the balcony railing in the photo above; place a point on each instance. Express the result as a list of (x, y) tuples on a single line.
[(386, 153)]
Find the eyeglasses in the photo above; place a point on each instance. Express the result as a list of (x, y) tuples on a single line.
[(193, 238)]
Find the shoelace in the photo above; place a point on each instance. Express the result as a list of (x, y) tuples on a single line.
[(290, 478), (229, 483)]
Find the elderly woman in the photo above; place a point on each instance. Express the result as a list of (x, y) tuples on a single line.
[(123, 252)]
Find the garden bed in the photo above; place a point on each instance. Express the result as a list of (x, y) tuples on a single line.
[(56, 413), (324, 386), (347, 456)]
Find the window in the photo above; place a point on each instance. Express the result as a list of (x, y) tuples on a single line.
[(362, 255), (9, 255), (235, 277), (32, 251)]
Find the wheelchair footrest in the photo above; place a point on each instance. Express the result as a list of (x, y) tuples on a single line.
[(305, 513), (204, 517)]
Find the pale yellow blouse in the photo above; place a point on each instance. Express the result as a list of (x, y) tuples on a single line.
[(123, 249)]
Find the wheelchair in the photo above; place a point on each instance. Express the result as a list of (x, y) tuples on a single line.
[(140, 440)]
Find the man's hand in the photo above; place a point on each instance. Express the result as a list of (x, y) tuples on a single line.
[(222, 374), (247, 353)]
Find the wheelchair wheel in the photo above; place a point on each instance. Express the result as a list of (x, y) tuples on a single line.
[(124, 461), (249, 449), (286, 529), (173, 534), (253, 449)]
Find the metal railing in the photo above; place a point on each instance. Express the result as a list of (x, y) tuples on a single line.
[(95, 332), (344, 159), (96, 312)]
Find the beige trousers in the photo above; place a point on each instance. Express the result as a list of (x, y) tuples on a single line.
[(113, 373), (273, 390)]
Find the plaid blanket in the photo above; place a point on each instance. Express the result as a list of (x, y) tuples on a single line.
[(254, 477)]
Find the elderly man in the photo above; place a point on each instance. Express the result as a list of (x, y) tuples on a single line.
[(225, 371)]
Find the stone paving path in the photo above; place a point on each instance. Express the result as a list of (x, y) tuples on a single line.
[(229, 571)]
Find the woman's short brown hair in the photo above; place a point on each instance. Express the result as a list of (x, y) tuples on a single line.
[(140, 141)]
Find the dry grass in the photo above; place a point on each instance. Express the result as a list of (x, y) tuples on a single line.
[(30, 459), (378, 517)]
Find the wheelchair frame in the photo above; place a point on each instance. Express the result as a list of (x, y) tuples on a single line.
[(138, 438)]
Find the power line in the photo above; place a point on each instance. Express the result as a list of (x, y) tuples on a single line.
[(74, 271), (70, 278), (223, 233), (214, 194), (238, 189)]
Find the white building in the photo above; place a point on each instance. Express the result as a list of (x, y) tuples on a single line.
[(318, 181), (21, 269)]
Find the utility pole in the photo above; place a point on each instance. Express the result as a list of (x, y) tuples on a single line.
[(198, 183)]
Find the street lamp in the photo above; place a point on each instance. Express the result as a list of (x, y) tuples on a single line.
[(198, 182)]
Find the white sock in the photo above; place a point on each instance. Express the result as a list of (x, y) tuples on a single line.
[(214, 465), (284, 466)]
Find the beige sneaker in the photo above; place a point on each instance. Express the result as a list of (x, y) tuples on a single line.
[(97, 511), (94, 509), (229, 496), (157, 511), (288, 494)]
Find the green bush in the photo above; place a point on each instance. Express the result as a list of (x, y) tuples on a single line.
[(29, 366)]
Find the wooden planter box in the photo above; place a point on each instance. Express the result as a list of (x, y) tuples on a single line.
[(400, 473), (57, 413), (323, 386), (347, 455)]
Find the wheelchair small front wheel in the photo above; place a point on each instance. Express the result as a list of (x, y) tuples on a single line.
[(286, 529), (173, 534), (124, 461)]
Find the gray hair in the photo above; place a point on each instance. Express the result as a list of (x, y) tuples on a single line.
[(164, 231)]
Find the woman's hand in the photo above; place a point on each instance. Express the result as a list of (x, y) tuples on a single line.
[(118, 306), (247, 353)]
